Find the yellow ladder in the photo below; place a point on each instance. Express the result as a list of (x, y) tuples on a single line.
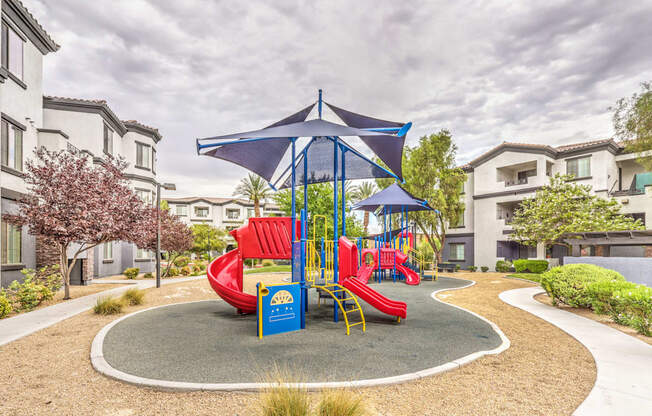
[(334, 290)]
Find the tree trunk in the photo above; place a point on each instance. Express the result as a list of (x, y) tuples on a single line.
[(65, 270), (257, 208), (366, 223)]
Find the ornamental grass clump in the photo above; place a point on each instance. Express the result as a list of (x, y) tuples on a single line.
[(108, 306), (280, 399), (340, 403), (133, 296), (567, 284)]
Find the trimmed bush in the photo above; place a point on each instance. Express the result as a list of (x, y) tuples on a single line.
[(5, 305), (173, 272), (185, 271), (484, 269), (473, 268), (28, 294), (601, 292), (181, 261), (133, 296), (108, 306), (503, 266), (340, 403), (131, 272), (636, 304), (457, 267), (202, 266), (148, 275), (530, 266), (267, 263), (567, 284)]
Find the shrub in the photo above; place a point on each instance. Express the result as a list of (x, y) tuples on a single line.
[(108, 306), (567, 284), (185, 271), (148, 275), (601, 292), (202, 266), (5, 305), (503, 266), (172, 272), (267, 263), (340, 403), (284, 401), (131, 272), (530, 266), (181, 261), (133, 296), (472, 268), (28, 294), (484, 269), (196, 269), (636, 303)]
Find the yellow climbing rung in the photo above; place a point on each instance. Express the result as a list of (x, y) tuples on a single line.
[(350, 296)]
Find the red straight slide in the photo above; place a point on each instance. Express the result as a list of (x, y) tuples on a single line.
[(375, 299)]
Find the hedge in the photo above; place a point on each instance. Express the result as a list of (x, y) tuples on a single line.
[(503, 266), (567, 284), (530, 266)]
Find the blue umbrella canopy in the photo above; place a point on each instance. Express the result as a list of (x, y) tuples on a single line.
[(395, 198)]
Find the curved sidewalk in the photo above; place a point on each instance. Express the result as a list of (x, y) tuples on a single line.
[(624, 364), (24, 324)]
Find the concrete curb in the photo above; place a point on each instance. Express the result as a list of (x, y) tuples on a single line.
[(103, 367)]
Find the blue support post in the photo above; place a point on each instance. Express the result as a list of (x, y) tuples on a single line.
[(294, 208), (319, 104), (304, 288), (343, 193), (305, 181), (335, 226)]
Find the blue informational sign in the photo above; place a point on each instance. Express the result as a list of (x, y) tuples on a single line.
[(296, 261), (279, 308)]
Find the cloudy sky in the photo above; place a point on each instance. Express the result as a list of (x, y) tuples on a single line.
[(487, 71)]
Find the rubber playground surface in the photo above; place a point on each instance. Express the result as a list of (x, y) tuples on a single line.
[(205, 342)]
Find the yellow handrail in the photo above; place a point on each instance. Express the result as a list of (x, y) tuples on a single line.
[(332, 290)]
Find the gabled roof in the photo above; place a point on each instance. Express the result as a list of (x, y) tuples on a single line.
[(550, 151), (28, 24)]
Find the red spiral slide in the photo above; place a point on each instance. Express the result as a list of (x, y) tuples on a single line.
[(261, 238)]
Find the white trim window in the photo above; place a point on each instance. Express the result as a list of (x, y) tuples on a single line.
[(201, 212), (456, 251), (12, 51), (145, 196), (12, 240), (251, 212), (181, 210), (12, 146), (142, 254), (580, 167), (144, 156), (108, 140), (232, 213), (107, 251)]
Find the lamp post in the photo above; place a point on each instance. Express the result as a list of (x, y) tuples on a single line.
[(169, 187)]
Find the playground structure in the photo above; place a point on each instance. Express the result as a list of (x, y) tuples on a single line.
[(334, 266)]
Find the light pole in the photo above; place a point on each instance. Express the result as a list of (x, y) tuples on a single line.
[(169, 187)]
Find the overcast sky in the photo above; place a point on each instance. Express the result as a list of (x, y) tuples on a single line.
[(487, 71)]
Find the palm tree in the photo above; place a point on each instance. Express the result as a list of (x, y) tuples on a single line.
[(255, 189), (360, 193)]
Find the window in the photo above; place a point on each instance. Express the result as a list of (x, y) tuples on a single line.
[(153, 160), (457, 251), (201, 212), (143, 156), (251, 212), (12, 146), (579, 168), (12, 51), (182, 210), (108, 140), (232, 213), (460, 220), (145, 195), (108, 251), (143, 254), (11, 243)]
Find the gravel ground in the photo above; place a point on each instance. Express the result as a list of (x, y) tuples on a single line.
[(544, 372), (603, 319)]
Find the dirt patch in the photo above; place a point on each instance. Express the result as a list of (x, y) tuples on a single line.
[(603, 319), (544, 372)]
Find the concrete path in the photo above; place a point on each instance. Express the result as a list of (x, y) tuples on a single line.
[(24, 324), (624, 363)]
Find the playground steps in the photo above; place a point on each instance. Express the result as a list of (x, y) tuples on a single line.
[(335, 291)]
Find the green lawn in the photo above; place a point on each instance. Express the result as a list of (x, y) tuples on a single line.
[(535, 277), (269, 269)]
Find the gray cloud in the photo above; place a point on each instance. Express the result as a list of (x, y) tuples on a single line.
[(488, 72)]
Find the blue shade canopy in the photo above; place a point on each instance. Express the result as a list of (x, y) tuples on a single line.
[(320, 164), (395, 198), (387, 147), (261, 157)]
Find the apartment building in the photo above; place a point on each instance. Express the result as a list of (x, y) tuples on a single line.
[(498, 180), (227, 213), (89, 127)]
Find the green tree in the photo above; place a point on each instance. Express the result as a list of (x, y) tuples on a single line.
[(566, 207), (164, 205), (255, 189), (320, 202), (430, 173), (633, 123), (360, 193), (207, 238)]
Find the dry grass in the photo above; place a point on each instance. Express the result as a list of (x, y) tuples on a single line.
[(544, 372), (134, 296), (603, 319), (108, 306)]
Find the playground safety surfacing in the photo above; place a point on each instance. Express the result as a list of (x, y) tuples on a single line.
[(205, 342)]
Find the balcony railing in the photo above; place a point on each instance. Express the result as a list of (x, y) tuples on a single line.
[(520, 181)]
